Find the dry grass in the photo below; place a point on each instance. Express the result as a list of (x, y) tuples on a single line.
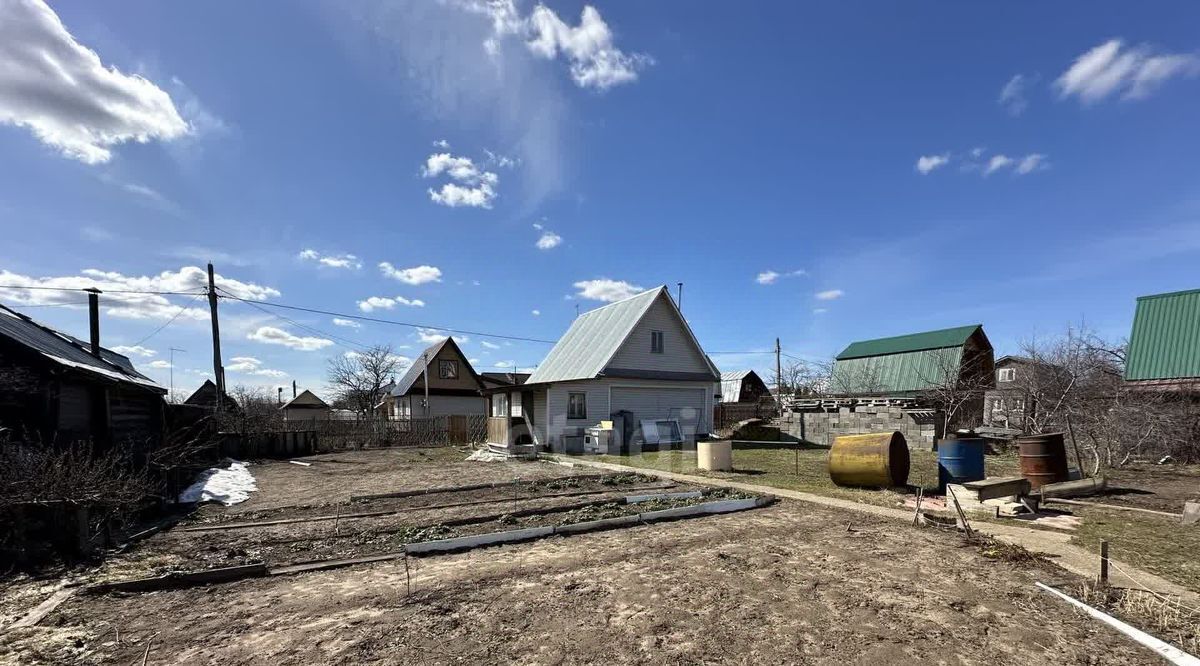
[(1157, 544), (1161, 616)]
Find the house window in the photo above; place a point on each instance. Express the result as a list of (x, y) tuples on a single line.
[(577, 405), (656, 342), (500, 404), (1007, 374), (998, 405), (448, 369), (1018, 405)]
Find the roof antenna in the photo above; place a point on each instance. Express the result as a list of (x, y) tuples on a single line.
[(680, 299), (577, 311)]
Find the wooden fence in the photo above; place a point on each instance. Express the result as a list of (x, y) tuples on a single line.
[(728, 414), (299, 438)]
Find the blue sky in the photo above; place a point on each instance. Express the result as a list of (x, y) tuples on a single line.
[(820, 173)]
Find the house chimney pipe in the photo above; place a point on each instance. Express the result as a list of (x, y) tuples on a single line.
[(94, 319), (293, 388)]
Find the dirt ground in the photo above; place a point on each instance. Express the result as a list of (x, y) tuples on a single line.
[(789, 583), (1158, 487)]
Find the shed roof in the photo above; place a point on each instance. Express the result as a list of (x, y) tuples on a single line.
[(594, 338), (306, 399), (939, 339), (405, 384), (70, 352), (1165, 342)]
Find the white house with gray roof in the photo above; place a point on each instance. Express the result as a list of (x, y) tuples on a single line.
[(636, 356)]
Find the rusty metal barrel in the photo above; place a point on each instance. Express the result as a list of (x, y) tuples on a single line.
[(876, 460), (1043, 458)]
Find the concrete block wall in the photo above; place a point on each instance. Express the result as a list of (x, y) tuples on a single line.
[(920, 429)]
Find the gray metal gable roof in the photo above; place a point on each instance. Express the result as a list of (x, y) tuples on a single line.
[(594, 337), (68, 351)]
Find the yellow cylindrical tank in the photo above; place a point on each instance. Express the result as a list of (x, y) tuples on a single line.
[(876, 460), (715, 456)]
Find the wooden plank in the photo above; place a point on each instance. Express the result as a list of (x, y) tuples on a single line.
[(45, 608), (183, 579), (1114, 507), (322, 565)]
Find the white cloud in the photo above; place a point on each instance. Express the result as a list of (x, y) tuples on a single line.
[(537, 226), (348, 323), (442, 143), (1133, 72), (248, 365), (276, 336), (767, 277), (489, 345), (1031, 163), (830, 294), (117, 300), (1012, 95), (604, 289), (384, 303), (595, 62), (160, 365), (136, 350), (429, 336), (502, 364), (548, 241), (996, 163), (59, 89), (536, 313), (331, 260), (818, 311), (473, 187), (416, 275), (927, 163)]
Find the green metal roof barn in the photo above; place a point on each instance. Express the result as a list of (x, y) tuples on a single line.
[(909, 364), (1164, 346)]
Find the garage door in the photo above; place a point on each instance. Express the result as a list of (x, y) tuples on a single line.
[(685, 404)]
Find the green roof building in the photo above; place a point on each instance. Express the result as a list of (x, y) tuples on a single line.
[(1164, 347), (913, 364)]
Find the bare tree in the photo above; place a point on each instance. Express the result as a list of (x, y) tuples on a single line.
[(856, 376), (956, 382), (358, 379), (258, 411)]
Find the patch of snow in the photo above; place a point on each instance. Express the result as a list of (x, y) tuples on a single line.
[(483, 455), (228, 486)]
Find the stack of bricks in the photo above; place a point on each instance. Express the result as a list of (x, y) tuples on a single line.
[(921, 428)]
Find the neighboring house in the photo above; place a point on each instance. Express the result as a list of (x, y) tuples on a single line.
[(742, 386), (1013, 403), (637, 356), (62, 389), (454, 386), (495, 379), (1164, 347), (206, 396), (910, 365), (305, 407)]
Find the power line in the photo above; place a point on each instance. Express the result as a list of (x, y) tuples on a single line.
[(392, 322), (297, 324), (182, 309)]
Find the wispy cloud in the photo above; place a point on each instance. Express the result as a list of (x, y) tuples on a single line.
[(61, 91), (830, 294), (271, 335), (604, 289), (489, 345), (771, 277), (348, 261), (135, 350), (347, 323), (1132, 73), (384, 303), (249, 365), (927, 163), (548, 240), (416, 275), (536, 313), (431, 335), (1012, 95), (470, 186)]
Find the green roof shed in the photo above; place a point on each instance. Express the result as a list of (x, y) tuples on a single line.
[(1165, 343), (910, 364)]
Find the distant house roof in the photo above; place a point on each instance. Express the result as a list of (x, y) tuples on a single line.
[(733, 381), (69, 352), (206, 396), (504, 378), (595, 337), (939, 339), (405, 384), (306, 400), (906, 363), (1165, 342)]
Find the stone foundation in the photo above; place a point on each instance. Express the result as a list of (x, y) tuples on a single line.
[(921, 428)]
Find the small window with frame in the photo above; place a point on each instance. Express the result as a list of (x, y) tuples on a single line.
[(656, 342), (448, 369), (1007, 374), (577, 405)]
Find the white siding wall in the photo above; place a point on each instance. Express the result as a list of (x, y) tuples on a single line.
[(679, 354), (553, 416), (540, 416)]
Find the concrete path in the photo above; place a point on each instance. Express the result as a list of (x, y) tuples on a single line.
[(1055, 544)]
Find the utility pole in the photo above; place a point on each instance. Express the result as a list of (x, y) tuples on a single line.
[(172, 362), (680, 299), (426, 356), (218, 370), (778, 375)]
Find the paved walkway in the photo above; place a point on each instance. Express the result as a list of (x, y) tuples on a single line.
[(1055, 544)]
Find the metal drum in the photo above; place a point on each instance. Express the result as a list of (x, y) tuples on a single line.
[(960, 459), (1043, 458), (877, 460)]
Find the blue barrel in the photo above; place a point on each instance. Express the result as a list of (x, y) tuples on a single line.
[(960, 459)]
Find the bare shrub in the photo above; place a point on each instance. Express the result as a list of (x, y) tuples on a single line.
[(358, 379)]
